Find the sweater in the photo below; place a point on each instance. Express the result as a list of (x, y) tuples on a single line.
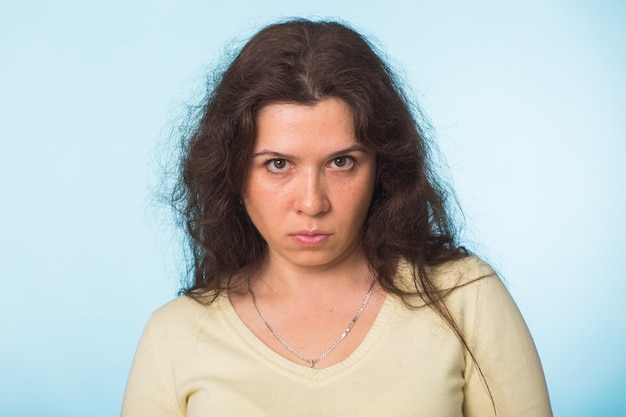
[(200, 360)]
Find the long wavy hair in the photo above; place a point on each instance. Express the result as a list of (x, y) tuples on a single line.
[(303, 62)]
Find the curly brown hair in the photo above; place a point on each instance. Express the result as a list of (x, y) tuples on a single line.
[(303, 62)]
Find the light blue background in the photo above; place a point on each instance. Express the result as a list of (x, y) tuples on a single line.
[(528, 101)]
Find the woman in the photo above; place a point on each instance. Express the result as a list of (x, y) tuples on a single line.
[(327, 280)]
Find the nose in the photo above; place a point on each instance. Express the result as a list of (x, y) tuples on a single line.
[(312, 197)]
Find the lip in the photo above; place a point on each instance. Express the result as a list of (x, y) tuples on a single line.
[(310, 237)]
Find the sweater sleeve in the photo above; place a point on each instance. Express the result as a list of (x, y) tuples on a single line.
[(148, 391), (503, 348)]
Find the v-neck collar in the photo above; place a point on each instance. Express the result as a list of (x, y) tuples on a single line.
[(230, 315)]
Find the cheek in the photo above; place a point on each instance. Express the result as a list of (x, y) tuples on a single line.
[(255, 192), (357, 199), (262, 204)]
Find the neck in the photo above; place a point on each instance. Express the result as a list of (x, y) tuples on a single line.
[(278, 278)]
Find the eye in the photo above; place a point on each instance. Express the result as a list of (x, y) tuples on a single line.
[(277, 165), (342, 162)]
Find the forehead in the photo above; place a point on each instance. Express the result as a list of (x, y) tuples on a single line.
[(328, 122)]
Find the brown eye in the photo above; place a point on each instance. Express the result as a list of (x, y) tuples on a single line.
[(342, 162), (277, 165)]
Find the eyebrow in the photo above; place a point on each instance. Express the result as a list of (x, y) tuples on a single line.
[(267, 152)]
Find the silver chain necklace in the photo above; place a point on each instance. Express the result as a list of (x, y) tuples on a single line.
[(311, 362)]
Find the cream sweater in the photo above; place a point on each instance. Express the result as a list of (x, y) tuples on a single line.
[(195, 360)]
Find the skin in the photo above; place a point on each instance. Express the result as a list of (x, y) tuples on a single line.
[(309, 187)]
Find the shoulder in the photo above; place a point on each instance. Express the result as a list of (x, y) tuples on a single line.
[(469, 284), (181, 306), (461, 272), (181, 315), (477, 299), (447, 276), (463, 285)]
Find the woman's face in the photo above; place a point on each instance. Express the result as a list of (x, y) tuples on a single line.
[(310, 183)]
